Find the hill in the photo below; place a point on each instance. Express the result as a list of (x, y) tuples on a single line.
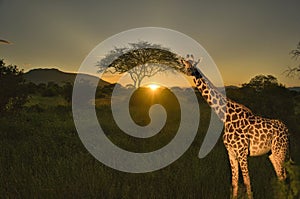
[(297, 89), (41, 75)]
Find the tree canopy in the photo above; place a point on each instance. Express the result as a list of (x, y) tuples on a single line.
[(265, 96), (140, 60), (261, 82)]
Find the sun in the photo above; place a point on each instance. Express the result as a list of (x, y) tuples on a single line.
[(153, 87)]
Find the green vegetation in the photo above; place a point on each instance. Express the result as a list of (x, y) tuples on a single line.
[(43, 157), (13, 89), (289, 190)]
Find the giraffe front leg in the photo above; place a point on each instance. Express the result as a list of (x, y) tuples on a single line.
[(245, 172), (234, 174)]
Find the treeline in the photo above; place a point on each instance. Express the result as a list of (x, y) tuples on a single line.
[(264, 95), (15, 91), (52, 89)]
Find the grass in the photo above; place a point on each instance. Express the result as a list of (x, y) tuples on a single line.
[(43, 157), (46, 101), (50, 161)]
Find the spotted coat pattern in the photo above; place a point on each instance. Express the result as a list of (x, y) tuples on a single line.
[(245, 134)]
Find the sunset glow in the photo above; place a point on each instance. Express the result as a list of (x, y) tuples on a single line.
[(153, 87)]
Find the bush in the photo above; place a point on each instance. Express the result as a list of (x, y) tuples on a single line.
[(290, 189), (13, 92)]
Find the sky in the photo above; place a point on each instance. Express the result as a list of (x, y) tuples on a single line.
[(244, 38)]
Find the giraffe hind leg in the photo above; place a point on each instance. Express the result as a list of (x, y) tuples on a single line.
[(277, 158), (277, 161)]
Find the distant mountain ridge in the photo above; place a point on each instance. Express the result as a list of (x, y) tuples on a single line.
[(296, 88), (45, 75)]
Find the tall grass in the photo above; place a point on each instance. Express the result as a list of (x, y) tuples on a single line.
[(43, 157)]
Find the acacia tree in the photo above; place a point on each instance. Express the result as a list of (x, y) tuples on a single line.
[(295, 70), (140, 60)]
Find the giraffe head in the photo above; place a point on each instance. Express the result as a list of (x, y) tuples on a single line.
[(190, 67)]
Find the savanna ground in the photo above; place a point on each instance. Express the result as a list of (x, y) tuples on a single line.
[(43, 157)]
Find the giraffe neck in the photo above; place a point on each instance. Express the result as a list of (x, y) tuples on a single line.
[(215, 99)]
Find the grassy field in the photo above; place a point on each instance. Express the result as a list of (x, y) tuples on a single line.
[(43, 157), (45, 101)]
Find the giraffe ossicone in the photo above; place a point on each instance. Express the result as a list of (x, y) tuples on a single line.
[(245, 134)]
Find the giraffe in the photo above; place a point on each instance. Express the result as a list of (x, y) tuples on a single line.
[(245, 134)]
